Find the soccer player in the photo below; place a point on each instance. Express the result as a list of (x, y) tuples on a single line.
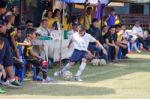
[(81, 41), (34, 59)]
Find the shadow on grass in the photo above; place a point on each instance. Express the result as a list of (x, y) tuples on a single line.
[(117, 70), (61, 90)]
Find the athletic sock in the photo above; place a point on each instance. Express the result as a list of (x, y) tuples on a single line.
[(67, 67), (81, 68), (44, 72)]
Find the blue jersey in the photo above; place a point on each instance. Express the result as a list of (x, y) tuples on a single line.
[(111, 20)]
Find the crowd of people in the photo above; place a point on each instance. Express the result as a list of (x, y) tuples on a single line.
[(89, 42)]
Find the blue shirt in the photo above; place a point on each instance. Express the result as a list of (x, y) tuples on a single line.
[(111, 20)]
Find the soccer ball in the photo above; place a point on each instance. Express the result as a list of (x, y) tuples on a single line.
[(102, 62), (67, 75), (95, 62)]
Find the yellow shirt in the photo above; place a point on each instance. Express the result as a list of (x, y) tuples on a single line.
[(66, 24), (88, 21), (50, 23), (57, 19), (120, 36)]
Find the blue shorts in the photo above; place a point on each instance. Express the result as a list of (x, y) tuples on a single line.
[(78, 56), (6, 55)]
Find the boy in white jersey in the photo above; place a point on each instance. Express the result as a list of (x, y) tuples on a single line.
[(80, 41)]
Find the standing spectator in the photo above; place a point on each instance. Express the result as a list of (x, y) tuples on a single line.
[(87, 18), (111, 18), (57, 15), (48, 15), (138, 35)]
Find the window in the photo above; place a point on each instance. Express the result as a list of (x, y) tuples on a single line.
[(136, 8)]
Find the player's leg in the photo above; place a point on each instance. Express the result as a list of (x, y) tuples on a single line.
[(80, 70), (76, 56)]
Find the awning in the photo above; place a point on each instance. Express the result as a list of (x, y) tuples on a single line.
[(88, 1), (137, 1)]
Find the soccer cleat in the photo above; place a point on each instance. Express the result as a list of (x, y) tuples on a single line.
[(2, 91), (58, 73), (138, 51), (78, 79), (15, 84), (47, 80)]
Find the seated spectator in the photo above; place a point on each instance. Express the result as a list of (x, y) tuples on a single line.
[(32, 57), (96, 33), (147, 38), (110, 41), (29, 24), (104, 30), (138, 35), (6, 57), (2, 70), (120, 42)]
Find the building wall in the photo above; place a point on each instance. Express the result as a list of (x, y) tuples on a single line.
[(126, 9)]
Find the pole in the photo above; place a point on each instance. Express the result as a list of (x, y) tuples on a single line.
[(102, 10), (21, 8)]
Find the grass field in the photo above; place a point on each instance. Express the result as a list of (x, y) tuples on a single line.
[(129, 79)]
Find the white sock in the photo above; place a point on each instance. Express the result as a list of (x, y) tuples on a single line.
[(11, 80), (81, 68), (135, 47), (67, 67)]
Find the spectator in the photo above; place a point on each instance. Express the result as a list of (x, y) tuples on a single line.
[(6, 57), (87, 18), (110, 41), (104, 30), (96, 33), (111, 18), (33, 58), (148, 35), (117, 20), (48, 15), (29, 24), (120, 42), (57, 15), (43, 30), (138, 35)]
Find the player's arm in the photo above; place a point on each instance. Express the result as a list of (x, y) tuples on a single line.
[(70, 42), (24, 44), (101, 46), (107, 42), (33, 54), (15, 47)]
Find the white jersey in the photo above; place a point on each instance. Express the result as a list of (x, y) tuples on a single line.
[(70, 33), (137, 30), (43, 32), (81, 42)]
